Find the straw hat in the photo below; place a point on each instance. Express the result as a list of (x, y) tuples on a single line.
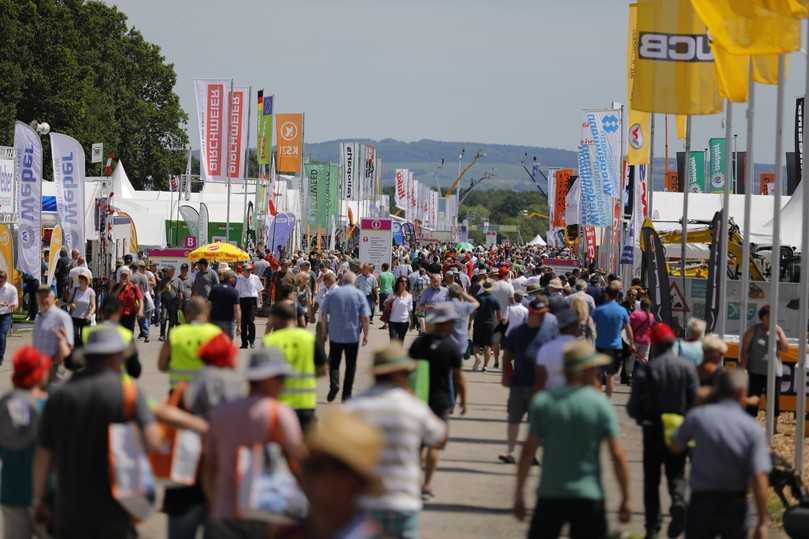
[(580, 355), (350, 440), (392, 358)]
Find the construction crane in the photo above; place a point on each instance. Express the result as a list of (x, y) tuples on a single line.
[(457, 182)]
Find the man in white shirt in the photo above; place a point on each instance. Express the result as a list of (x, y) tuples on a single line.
[(581, 292), (503, 292), (550, 356), (9, 301), (249, 287), (516, 313)]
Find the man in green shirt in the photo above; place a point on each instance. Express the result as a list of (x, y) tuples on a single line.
[(570, 422), (385, 287)]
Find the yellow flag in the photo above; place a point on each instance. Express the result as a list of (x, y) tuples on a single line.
[(639, 122), (681, 126), (732, 71), (675, 71), (750, 26), (765, 68), (53, 254)]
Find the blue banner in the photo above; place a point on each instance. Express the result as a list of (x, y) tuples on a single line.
[(595, 206)]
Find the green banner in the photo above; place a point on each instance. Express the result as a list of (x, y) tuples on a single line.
[(312, 173), (718, 164), (334, 199), (696, 172), (325, 180)]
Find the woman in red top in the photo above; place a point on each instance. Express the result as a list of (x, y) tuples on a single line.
[(131, 299), (642, 321)]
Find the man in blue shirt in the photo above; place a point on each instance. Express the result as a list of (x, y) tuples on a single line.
[(345, 312), (610, 318), (431, 296)]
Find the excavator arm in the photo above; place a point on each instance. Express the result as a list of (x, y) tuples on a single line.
[(466, 169)]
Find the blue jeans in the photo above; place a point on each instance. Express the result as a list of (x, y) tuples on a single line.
[(143, 323), (5, 327)]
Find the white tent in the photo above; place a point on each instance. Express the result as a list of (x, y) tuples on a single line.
[(537, 241), (791, 222)]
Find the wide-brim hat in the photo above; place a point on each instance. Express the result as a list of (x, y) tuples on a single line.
[(555, 283), (265, 363), (533, 288), (392, 358), (352, 441), (580, 355)]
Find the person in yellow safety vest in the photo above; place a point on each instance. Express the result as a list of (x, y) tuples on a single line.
[(111, 314), (305, 356), (179, 356)]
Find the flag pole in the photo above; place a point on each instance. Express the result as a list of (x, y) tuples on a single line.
[(684, 239), (775, 263), (748, 198), (650, 175), (247, 163), (723, 238), (227, 217), (803, 305)]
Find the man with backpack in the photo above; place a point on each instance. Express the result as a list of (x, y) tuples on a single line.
[(663, 390)]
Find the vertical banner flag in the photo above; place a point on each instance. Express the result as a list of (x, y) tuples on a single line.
[(324, 208), (348, 157), (561, 184), (369, 171), (766, 183), (312, 173), (265, 151), (203, 224), (602, 131), (799, 117), (212, 118), (655, 272), (400, 194), (412, 186), (696, 172), (718, 163), (68, 174), (6, 251), (289, 129), (53, 253), (590, 240), (334, 190), (8, 164), (572, 202), (639, 122), (674, 52), (261, 156), (28, 146), (712, 292)]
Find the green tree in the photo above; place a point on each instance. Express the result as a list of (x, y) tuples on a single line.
[(79, 66)]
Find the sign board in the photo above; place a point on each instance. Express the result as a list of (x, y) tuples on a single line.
[(560, 266), (97, 154), (190, 242), (7, 183), (491, 238), (169, 258), (376, 237), (678, 303)]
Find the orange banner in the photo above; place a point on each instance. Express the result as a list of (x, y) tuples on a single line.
[(562, 185), (672, 182), (766, 181), (289, 134)]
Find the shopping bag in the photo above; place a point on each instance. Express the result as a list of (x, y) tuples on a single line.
[(420, 380), (131, 480), (177, 461), (265, 487)]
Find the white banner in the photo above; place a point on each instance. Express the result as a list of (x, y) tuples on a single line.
[(368, 171), (68, 173), (212, 121), (349, 159), (572, 199), (400, 195), (603, 131), (237, 133), (29, 173), (8, 159), (202, 238), (434, 208), (410, 214)]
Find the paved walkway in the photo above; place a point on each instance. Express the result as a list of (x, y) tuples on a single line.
[(473, 489)]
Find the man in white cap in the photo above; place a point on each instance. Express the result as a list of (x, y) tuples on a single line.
[(446, 378), (408, 425), (571, 422), (258, 418)]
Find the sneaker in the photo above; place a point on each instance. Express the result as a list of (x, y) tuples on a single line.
[(677, 524), (162, 338), (496, 364), (146, 339), (476, 365), (332, 394)]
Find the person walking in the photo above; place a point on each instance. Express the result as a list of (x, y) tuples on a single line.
[(82, 307), (610, 319), (247, 421), (179, 354), (400, 306), (437, 348), (73, 441), (9, 301), (185, 286), (305, 357), (430, 296), (408, 425), (663, 391), (249, 287), (540, 327), (487, 320), (571, 422), (642, 321), (53, 330), (169, 290), (144, 282), (690, 347), (130, 297), (754, 356), (465, 305), (345, 315), (386, 281), (730, 457), (367, 284), (205, 279), (225, 309)]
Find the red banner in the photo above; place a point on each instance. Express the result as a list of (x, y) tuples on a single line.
[(766, 180), (214, 126), (590, 238), (236, 135), (562, 185)]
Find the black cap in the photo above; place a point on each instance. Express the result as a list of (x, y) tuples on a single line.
[(183, 266)]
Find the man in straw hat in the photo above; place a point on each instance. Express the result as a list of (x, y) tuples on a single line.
[(73, 441), (571, 421), (255, 419), (408, 425), (340, 469)]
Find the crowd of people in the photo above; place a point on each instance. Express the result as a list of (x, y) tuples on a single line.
[(560, 340)]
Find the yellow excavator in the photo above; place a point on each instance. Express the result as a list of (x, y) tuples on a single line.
[(705, 236)]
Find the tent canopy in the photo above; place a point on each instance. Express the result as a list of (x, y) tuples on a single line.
[(791, 222), (537, 241)]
